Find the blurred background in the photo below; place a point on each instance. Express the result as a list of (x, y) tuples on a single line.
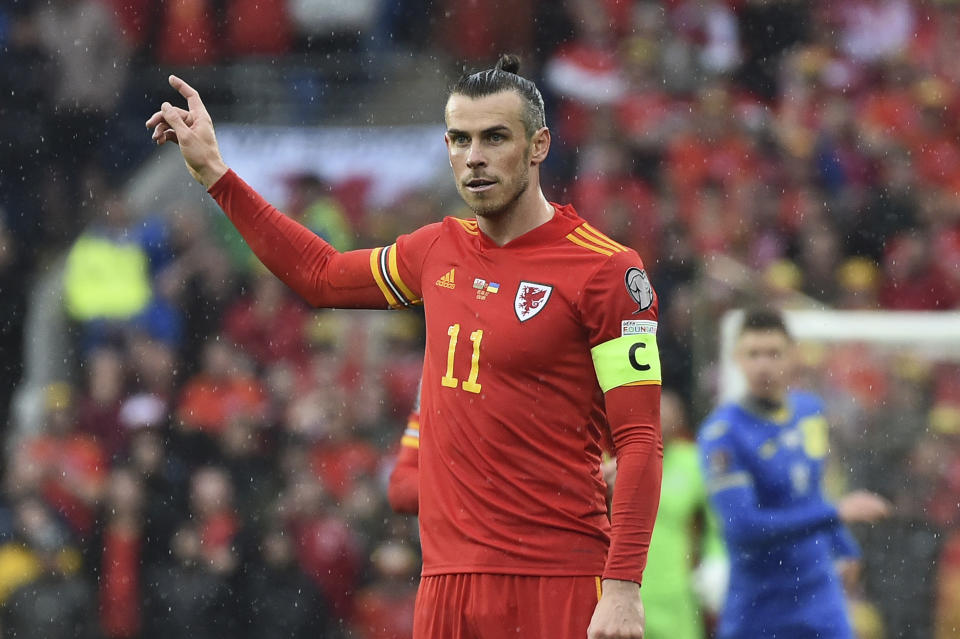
[(191, 451)]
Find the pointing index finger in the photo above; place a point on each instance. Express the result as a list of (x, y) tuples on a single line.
[(193, 98)]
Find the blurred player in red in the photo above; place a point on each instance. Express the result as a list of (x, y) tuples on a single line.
[(402, 489), (540, 331)]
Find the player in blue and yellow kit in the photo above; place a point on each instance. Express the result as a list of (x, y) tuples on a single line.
[(763, 458)]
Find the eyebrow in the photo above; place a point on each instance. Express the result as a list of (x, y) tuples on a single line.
[(494, 129)]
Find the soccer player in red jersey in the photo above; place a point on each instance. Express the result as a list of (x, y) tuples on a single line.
[(540, 331)]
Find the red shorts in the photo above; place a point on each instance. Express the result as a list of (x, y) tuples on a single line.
[(481, 606)]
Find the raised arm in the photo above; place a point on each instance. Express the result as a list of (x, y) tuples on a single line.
[(192, 130), (371, 278)]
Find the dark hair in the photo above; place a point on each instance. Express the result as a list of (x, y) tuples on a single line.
[(504, 77), (764, 319)]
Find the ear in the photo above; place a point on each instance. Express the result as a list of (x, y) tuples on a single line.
[(539, 146)]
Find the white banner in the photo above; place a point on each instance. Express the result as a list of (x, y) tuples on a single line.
[(396, 160)]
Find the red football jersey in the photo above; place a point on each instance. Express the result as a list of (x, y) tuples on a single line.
[(523, 340), (512, 411)]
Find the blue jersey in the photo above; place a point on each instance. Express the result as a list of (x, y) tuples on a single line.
[(763, 473)]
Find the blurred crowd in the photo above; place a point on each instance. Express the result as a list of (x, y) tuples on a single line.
[(215, 462)]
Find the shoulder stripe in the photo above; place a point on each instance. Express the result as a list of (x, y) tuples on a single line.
[(588, 227), (470, 226), (599, 241), (395, 276), (596, 249), (378, 278), (410, 442)]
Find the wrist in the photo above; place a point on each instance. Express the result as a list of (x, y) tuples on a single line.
[(211, 173), (620, 587)]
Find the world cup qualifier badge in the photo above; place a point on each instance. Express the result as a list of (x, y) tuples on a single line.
[(638, 286)]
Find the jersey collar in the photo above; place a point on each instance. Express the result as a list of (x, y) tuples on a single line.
[(564, 220), (779, 416)]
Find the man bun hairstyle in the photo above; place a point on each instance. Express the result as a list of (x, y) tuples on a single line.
[(764, 319), (504, 76), (510, 63)]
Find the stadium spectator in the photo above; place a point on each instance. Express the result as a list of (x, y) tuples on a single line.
[(66, 467), (45, 593), (268, 323), (325, 547), (107, 277), (117, 555), (189, 596), (90, 64), (312, 204), (257, 28), (222, 391), (284, 603), (384, 608), (189, 33), (914, 278), (98, 409)]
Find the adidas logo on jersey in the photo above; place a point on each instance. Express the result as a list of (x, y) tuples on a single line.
[(447, 280)]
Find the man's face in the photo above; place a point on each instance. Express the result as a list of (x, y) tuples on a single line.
[(489, 150), (765, 357)]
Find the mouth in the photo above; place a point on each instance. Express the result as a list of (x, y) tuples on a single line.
[(478, 185)]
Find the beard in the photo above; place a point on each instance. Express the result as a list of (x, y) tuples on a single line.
[(494, 209)]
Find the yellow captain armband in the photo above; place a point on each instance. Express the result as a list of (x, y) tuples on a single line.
[(630, 359)]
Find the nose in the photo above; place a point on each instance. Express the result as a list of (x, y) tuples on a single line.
[(475, 157)]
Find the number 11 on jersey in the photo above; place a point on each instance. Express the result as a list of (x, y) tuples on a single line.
[(448, 380)]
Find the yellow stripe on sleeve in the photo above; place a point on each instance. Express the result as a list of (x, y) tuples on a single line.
[(375, 268), (597, 240), (395, 276), (411, 442), (596, 249), (586, 226), (599, 588)]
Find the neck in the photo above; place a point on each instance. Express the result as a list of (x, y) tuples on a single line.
[(528, 212), (768, 402)]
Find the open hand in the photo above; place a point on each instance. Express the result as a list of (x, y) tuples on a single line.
[(192, 130)]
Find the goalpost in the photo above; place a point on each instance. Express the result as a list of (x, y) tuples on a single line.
[(933, 335)]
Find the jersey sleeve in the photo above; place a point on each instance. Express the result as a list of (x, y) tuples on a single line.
[(618, 308), (733, 496), (386, 277), (844, 546)]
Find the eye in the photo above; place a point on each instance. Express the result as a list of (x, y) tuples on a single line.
[(496, 138), (460, 139)]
